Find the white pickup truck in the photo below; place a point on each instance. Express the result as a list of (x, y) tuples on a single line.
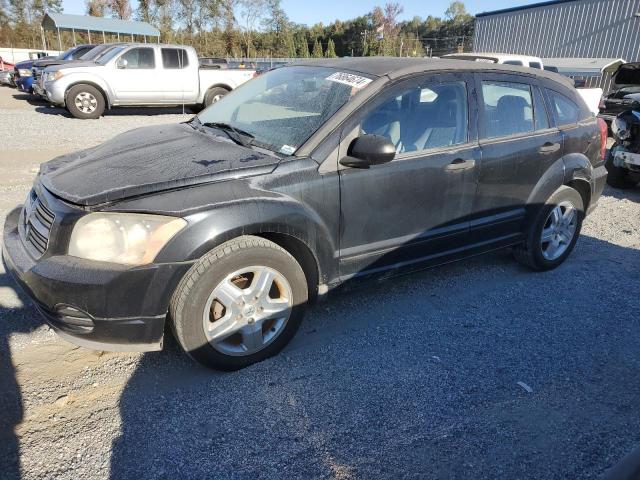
[(138, 74)]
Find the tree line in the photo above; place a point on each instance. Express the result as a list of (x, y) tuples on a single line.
[(253, 28)]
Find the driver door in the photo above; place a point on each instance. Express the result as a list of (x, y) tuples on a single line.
[(415, 208)]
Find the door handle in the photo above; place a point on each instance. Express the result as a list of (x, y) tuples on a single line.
[(460, 164), (549, 147)]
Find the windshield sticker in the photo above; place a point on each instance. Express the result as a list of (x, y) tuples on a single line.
[(287, 149), (355, 81)]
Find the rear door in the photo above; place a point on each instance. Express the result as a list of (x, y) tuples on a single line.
[(414, 209), (518, 144), (180, 79), (136, 78)]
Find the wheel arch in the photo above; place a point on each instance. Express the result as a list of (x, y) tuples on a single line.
[(107, 100), (291, 226), (572, 170), (226, 86)]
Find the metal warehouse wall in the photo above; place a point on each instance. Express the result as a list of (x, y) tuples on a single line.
[(582, 28)]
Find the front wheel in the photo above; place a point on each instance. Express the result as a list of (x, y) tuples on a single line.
[(239, 304), (85, 102), (554, 231)]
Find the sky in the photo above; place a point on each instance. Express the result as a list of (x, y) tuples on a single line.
[(301, 11)]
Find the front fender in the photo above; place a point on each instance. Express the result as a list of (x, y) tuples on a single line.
[(97, 81), (274, 215)]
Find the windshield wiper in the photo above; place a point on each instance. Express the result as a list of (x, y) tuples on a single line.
[(232, 132)]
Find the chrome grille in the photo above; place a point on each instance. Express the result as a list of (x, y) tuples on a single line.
[(37, 221)]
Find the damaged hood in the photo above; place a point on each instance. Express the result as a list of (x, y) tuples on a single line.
[(149, 160)]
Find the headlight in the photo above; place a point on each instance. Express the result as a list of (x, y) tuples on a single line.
[(53, 76), (126, 238), (620, 128), (24, 72)]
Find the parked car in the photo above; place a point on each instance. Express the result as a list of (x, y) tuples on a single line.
[(138, 75), (23, 76), (306, 178), (4, 65), (623, 162), (73, 53), (624, 94), (6, 77), (500, 58)]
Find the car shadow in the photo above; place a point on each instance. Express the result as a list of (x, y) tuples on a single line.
[(631, 194), (29, 98), (411, 377), (20, 319), (48, 109)]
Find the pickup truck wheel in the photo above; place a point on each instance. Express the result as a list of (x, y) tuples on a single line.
[(85, 101), (214, 95), (554, 231), (239, 304), (618, 177)]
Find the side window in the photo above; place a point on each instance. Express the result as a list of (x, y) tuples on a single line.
[(431, 116), (539, 110), (535, 65), (565, 111), (514, 62), (174, 58), (507, 108), (137, 58)]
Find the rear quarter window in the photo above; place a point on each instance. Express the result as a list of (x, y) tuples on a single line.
[(174, 58), (565, 110)]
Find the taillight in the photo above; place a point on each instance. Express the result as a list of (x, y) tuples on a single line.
[(604, 132)]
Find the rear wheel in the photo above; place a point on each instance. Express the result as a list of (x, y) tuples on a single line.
[(618, 177), (239, 304), (214, 95), (554, 231), (85, 101)]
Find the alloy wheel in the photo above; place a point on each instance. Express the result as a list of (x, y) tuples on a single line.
[(86, 102), (559, 230), (247, 310)]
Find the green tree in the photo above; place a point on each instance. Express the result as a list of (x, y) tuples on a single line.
[(302, 45), (96, 8), (457, 12), (331, 49), (317, 49)]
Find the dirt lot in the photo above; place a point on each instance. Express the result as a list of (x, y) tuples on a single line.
[(413, 378)]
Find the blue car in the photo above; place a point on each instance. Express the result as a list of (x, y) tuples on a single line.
[(23, 76)]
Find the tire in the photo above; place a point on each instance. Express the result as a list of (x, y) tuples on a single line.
[(195, 304), (538, 254), (618, 177), (85, 102), (213, 95)]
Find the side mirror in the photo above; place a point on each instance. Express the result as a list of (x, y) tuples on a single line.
[(122, 63), (369, 150)]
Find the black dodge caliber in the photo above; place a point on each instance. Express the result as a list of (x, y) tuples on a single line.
[(305, 178)]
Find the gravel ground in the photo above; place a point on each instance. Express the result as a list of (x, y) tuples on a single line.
[(411, 378)]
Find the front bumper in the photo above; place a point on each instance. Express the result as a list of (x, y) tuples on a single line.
[(96, 305), (55, 92), (25, 84)]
